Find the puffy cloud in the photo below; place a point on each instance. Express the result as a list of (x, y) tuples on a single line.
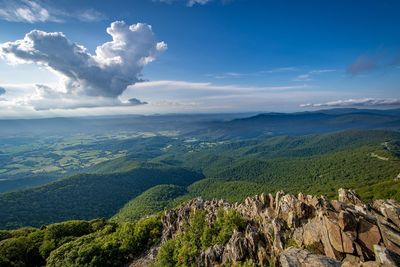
[(31, 11), (106, 74), (362, 102)]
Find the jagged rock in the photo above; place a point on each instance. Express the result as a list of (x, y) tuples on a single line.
[(298, 236), (334, 234), (294, 257), (312, 232), (252, 239), (326, 234), (338, 205), (347, 221), (351, 261), (390, 209), (235, 249), (263, 257), (349, 196), (293, 210), (386, 257), (390, 235), (145, 259), (211, 257), (278, 244), (368, 234), (344, 230), (278, 196)]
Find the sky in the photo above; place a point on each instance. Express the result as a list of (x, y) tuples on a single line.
[(73, 58)]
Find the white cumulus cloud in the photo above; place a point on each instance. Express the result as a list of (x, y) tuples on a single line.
[(106, 74)]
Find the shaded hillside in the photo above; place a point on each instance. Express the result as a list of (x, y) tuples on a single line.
[(151, 201), (84, 196)]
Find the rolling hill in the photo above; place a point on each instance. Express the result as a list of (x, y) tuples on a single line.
[(85, 196), (151, 201)]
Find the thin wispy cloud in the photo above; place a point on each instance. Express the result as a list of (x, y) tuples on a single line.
[(162, 96), (309, 76), (34, 11), (361, 102), (90, 15), (178, 85), (255, 73), (280, 70), (189, 3)]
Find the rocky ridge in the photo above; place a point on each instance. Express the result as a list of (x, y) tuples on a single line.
[(285, 230)]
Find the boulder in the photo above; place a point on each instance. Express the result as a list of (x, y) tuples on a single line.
[(211, 256), (390, 209), (295, 257), (235, 249), (328, 232), (349, 196), (390, 235), (347, 221), (334, 234), (368, 234), (386, 257), (312, 232)]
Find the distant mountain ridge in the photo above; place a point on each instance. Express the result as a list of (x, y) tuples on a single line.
[(301, 123), (216, 125)]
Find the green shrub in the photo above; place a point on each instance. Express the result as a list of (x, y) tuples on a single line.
[(183, 249)]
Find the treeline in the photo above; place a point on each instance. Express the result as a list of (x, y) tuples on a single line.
[(78, 243)]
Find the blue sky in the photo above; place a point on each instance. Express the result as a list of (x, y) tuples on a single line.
[(201, 56)]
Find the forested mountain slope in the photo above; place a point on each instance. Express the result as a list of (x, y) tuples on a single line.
[(315, 164), (85, 196)]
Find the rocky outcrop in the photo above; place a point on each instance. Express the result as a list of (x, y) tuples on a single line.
[(303, 230), (295, 257)]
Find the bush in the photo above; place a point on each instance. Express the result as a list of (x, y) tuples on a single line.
[(110, 246), (183, 249)]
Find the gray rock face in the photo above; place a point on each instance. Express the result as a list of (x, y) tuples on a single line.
[(211, 257), (386, 257), (295, 257), (325, 233), (349, 196)]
